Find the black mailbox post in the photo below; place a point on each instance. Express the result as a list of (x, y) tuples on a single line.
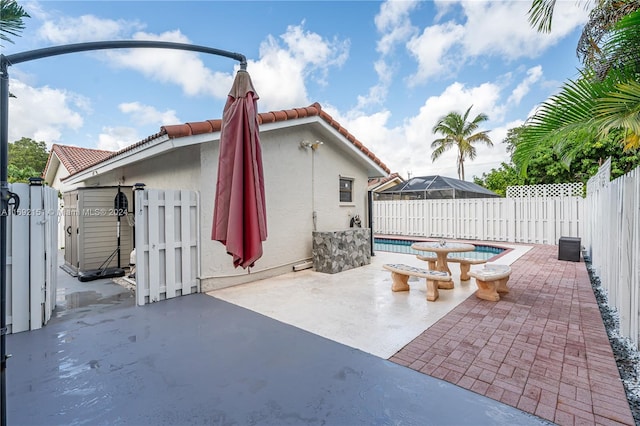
[(569, 249)]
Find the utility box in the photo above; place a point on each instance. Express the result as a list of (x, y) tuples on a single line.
[(569, 249)]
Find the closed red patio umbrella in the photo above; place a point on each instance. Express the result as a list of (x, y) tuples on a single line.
[(239, 215)]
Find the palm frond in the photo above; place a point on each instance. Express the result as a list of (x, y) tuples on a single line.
[(603, 19), (572, 108), (438, 152), (622, 48), (620, 108), (11, 19), (541, 14)]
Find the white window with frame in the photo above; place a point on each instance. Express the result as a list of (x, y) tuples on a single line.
[(346, 189)]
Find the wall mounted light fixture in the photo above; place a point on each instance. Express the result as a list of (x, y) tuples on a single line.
[(312, 145)]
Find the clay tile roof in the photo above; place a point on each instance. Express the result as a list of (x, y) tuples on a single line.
[(75, 158), (212, 126), (188, 129), (111, 154)]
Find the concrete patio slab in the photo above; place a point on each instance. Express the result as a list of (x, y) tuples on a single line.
[(357, 307)]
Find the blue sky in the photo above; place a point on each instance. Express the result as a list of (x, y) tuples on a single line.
[(387, 71)]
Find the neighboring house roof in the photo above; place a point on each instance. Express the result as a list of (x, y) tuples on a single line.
[(213, 126), (73, 158), (440, 183), (375, 183)]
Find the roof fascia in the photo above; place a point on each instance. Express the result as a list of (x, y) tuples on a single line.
[(146, 150), (53, 163)]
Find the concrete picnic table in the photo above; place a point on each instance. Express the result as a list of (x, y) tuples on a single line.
[(442, 249)]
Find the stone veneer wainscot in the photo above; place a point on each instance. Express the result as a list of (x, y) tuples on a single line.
[(337, 251)]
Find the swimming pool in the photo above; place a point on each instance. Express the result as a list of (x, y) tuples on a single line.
[(404, 246)]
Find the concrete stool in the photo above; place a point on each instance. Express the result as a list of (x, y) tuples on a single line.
[(491, 280)]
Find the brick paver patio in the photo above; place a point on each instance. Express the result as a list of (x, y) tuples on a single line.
[(542, 348)]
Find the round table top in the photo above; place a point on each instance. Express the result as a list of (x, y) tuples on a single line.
[(448, 247)]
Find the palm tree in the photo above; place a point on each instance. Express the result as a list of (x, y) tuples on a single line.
[(457, 131), (11, 19)]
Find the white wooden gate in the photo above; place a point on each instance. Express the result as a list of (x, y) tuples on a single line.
[(167, 242), (32, 257)]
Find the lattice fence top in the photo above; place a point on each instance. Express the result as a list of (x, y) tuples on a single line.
[(601, 178), (574, 189)]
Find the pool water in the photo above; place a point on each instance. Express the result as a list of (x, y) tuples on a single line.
[(404, 246)]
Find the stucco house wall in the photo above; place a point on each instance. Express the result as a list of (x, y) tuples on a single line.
[(298, 181)]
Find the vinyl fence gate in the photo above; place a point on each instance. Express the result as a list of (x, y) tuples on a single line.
[(32, 257), (167, 244)]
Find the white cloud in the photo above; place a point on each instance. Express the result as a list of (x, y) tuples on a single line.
[(394, 24), (85, 28), (116, 138), (533, 76), (43, 113), (145, 114), (310, 49), (378, 93), (433, 51), (279, 75), (490, 28), (501, 28), (179, 67)]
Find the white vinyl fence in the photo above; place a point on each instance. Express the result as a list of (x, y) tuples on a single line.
[(612, 239), (528, 217), (167, 236), (32, 257)]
